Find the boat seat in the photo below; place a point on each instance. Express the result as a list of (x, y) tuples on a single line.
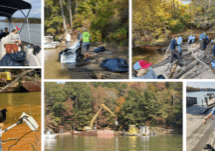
[(33, 60)]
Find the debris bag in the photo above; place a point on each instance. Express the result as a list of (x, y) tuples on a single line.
[(115, 65), (3, 115), (99, 49), (14, 59)]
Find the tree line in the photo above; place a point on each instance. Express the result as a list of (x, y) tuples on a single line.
[(71, 106), (106, 20), (156, 20), (21, 20)]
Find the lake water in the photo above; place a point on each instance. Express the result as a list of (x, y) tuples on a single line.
[(16, 104), (149, 54), (35, 32), (119, 143), (200, 95)]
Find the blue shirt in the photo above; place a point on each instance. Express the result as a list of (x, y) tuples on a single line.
[(213, 111), (179, 40), (201, 37), (173, 44)]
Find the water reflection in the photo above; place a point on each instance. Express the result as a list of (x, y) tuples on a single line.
[(118, 143)]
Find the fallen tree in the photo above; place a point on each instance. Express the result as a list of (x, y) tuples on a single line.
[(17, 79)]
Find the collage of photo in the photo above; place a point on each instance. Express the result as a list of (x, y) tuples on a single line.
[(107, 75)]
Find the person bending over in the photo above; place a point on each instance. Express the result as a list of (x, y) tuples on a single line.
[(174, 52)]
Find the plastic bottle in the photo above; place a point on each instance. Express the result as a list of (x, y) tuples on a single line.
[(29, 47)]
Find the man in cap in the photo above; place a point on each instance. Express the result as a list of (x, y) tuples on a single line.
[(14, 36), (68, 39), (86, 44), (4, 34)]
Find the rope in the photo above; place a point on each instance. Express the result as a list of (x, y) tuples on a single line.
[(198, 59)]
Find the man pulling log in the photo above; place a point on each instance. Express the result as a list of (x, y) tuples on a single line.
[(174, 52)]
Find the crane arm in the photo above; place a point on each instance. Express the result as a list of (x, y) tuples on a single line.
[(92, 121), (104, 106)]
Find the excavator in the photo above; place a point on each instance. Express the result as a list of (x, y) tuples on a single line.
[(5, 78), (92, 121)]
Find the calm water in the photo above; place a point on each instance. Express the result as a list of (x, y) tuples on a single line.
[(16, 104), (35, 32), (120, 143), (150, 55), (200, 95)]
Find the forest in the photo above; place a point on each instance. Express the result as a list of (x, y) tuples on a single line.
[(71, 106), (106, 20), (21, 20), (161, 19)]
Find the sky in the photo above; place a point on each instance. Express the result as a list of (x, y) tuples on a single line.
[(35, 11), (201, 84)]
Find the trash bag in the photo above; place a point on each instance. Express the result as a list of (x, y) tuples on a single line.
[(99, 49), (14, 59), (3, 115), (115, 65)]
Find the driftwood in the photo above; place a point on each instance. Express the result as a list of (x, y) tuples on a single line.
[(16, 80), (173, 69), (187, 68)]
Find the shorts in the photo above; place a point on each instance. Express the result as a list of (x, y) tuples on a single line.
[(86, 48)]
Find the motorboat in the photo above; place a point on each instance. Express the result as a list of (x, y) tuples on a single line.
[(28, 54), (49, 43), (49, 135)]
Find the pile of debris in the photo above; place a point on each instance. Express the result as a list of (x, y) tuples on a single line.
[(196, 64)]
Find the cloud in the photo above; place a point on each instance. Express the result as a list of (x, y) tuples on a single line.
[(35, 11)]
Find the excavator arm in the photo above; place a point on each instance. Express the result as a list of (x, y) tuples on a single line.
[(102, 106)]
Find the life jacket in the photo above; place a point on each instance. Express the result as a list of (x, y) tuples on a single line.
[(86, 37)]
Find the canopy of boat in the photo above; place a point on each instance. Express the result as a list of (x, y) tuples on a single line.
[(9, 7)]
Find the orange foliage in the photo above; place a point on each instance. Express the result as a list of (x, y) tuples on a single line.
[(120, 101)]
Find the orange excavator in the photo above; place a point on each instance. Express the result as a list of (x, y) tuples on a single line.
[(92, 121)]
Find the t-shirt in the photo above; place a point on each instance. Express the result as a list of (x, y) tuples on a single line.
[(213, 111), (179, 40), (12, 37), (68, 37), (201, 37)]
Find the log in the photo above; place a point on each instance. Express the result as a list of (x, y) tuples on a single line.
[(16, 80), (187, 68), (173, 69)]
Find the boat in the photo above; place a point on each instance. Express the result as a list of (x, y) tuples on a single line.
[(49, 43), (31, 86), (29, 54), (49, 135)]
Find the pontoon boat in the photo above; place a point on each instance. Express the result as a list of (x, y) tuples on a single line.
[(31, 54)]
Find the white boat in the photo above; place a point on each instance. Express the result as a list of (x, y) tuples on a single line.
[(33, 53), (49, 135), (49, 43)]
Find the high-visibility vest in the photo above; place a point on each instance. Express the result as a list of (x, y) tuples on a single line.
[(86, 37)]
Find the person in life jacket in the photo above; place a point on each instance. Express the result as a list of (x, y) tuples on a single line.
[(86, 44)]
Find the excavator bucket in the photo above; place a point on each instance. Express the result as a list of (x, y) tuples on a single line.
[(32, 124)]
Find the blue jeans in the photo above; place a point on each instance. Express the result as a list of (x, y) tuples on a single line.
[(179, 49)]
